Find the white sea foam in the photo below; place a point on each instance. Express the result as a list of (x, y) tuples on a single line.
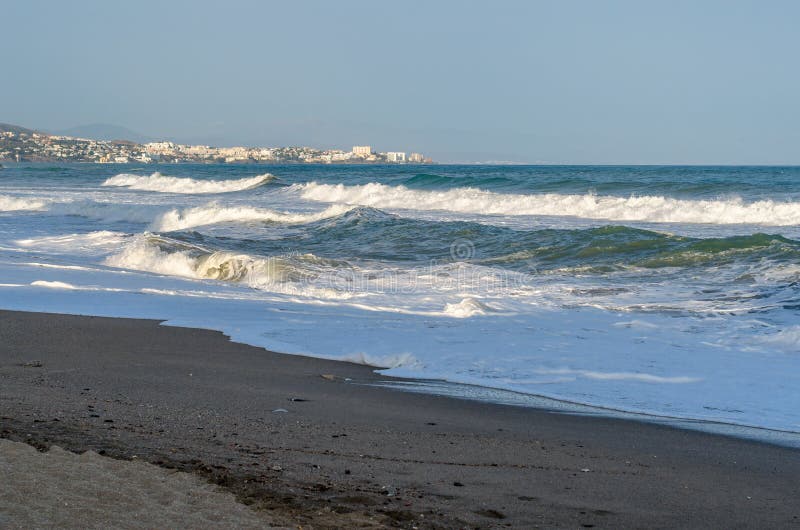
[(53, 285), (66, 286), (215, 213), (475, 201), (382, 361), (576, 355), (100, 241), (160, 220), (284, 274), (166, 184), (621, 376), (466, 308), (141, 255), (60, 267), (13, 204)]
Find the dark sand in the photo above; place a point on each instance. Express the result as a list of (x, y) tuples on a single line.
[(351, 455)]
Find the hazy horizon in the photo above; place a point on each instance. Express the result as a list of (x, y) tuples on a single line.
[(526, 82)]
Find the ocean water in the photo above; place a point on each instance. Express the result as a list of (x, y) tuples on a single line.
[(671, 291)]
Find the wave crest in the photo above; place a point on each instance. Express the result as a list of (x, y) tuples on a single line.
[(646, 208), (166, 184), (214, 214), (290, 274)]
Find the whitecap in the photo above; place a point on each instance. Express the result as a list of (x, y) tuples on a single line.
[(290, 274), (644, 208), (214, 213), (167, 184)]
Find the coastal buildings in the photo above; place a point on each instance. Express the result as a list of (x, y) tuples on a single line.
[(24, 145)]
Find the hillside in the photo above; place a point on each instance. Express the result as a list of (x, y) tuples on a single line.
[(7, 127), (104, 131)]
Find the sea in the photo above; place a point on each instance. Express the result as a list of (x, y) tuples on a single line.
[(664, 291)]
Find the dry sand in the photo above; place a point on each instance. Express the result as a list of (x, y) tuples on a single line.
[(60, 489), (346, 454)]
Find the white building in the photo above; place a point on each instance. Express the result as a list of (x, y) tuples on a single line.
[(395, 156), (416, 157), (234, 152), (265, 153), (159, 148), (362, 150), (199, 150)]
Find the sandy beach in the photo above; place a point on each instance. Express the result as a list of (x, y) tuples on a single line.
[(314, 443), (61, 489), (347, 265)]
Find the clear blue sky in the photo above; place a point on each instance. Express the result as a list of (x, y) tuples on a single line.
[(561, 81)]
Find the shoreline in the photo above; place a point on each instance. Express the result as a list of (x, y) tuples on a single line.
[(494, 395), (350, 454), (501, 396)]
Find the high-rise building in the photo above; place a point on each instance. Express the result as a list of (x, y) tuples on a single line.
[(395, 156), (362, 150), (416, 157)]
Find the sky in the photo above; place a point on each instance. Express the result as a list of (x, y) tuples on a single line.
[(561, 81)]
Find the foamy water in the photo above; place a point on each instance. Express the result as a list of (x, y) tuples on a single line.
[(668, 291), (11, 204), (166, 184), (215, 213), (653, 208)]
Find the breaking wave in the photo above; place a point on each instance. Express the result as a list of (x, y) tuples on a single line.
[(285, 274), (12, 204), (166, 184), (646, 208), (214, 214), (159, 220)]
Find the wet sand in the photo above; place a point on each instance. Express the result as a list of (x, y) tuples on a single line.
[(305, 450)]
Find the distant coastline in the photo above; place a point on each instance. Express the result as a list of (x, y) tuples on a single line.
[(18, 144)]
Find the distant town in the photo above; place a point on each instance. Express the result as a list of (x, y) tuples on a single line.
[(18, 144)]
